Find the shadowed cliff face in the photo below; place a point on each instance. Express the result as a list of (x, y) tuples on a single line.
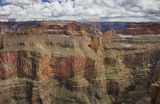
[(155, 86), (59, 62)]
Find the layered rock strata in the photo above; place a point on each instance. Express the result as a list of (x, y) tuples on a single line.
[(66, 62), (38, 65)]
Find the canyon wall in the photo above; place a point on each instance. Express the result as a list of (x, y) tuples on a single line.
[(62, 62), (142, 28), (155, 86)]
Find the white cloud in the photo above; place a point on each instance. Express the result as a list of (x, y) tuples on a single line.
[(111, 10), (16, 2)]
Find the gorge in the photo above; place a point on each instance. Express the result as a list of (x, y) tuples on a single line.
[(69, 62)]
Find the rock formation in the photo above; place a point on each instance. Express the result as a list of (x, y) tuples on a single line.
[(66, 62), (142, 28), (155, 86), (38, 62)]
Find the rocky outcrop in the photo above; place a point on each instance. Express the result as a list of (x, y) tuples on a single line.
[(38, 67), (130, 66), (57, 62)]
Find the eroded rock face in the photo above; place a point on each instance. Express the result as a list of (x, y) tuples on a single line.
[(39, 64), (58, 28), (142, 28), (61, 62), (155, 86)]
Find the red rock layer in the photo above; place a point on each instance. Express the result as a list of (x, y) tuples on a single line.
[(64, 28), (142, 28), (35, 65)]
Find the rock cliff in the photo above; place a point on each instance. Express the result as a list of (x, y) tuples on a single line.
[(66, 62), (142, 28), (155, 85)]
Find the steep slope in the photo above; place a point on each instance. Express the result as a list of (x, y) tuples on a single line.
[(66, 62), (155, 86), (49, 64)]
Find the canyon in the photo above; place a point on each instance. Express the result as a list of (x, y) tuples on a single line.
[(69, 62)]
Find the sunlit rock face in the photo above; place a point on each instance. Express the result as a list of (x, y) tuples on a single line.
[(66, 62)]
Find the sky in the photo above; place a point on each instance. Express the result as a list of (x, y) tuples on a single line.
[(90, 10)]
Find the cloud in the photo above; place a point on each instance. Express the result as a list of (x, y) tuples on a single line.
[(17, 2), (106, 10)]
